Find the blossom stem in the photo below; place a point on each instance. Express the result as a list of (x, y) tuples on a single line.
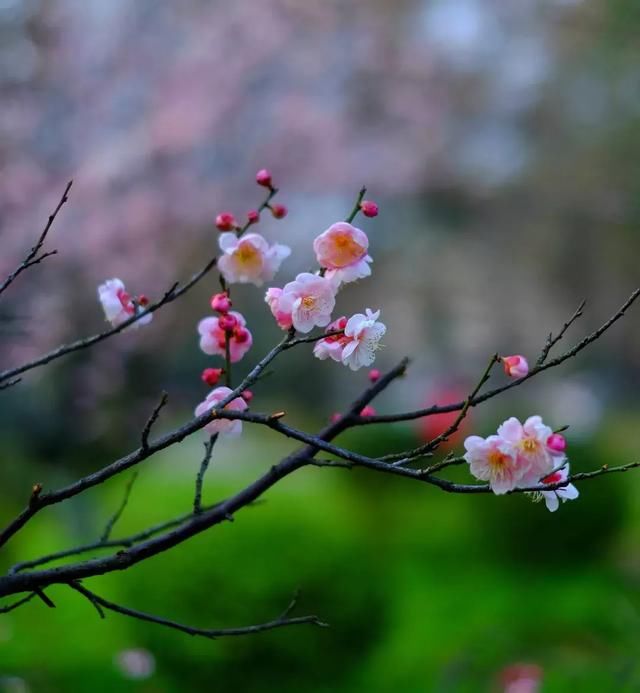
[(356, 207)]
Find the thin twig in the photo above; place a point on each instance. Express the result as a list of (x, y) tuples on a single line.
[(551, 340), (211, 633), (356, 207), (32, 257), (146, 431), (204, 465), (116, 516), (14, 605)]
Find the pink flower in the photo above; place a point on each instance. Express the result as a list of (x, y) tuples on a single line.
[(342, 250), (530, 443), (374, 375), (250, 259), (564, 493), (226, 427), (309, 300), (263, 177), (212, 336), (364, 334), (515, 366), (283, 318), (331, 347), (210, 376), (494, 460), (117, 304)]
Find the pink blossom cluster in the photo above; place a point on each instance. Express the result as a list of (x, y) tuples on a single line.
[(522, 456)]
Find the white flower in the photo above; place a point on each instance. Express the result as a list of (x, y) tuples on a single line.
[(364, 333), (564, 493), (250, 259), (118, 306)]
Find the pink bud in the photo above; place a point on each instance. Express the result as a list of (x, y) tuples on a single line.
[(225, 221), (211, 376), (247, 395), (374, 375), (368, 411), (227, 322), (369, 208), (221, 302), (241, 335), (557, 443), (253, 216), (279, 211), (263, 177), (143, 300), (335, 417), (515, 366)]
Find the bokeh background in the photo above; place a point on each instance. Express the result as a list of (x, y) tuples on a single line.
[(500, 139)]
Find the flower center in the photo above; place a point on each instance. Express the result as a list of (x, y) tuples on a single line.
[(125, 301), (309, 302), (498, 460), (248, 255), (530, 445), (346, 250)]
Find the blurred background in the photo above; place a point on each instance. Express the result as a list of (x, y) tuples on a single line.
[(501, 141)]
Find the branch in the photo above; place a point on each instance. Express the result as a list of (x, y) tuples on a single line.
[(280, 622), (16, 604), (116, 516), (551, 340), (171, 295), (32, 257), (456, 406), (146, 431), (208, 450)]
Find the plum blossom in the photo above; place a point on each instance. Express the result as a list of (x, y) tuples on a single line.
[(212, 336), (494, 460), (563, 493), (118, 305), (342, 250), (272, 299), (364, 334), (331, 347), (515, 366), (250, 259), (529, 440), (309, 300), (557, 444), (226, 427)]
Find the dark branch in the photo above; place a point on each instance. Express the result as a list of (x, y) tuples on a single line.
[(116, 516), (211, 633), (32, 257), (146, 431), (208, 449), (552, 341)]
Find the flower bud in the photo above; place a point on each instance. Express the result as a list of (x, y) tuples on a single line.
[(143, 300), (253, 216), (515, 366), (246, 395), (335, 417), (374, 375), (263, 177), (369, 208), (227, 322), (221, 303), (241, 335), (557, 443), (225, 221), (368, 411), (211, 376), (279, 211)]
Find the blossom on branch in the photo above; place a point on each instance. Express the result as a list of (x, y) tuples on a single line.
[(272, 299), (529, 440), (250, 259), (213, 335), (331, 347), (118, 305), (563, 493), (363, 333), (310, 300), (225, 427), (342, 251), (494, 460), (515, 366)]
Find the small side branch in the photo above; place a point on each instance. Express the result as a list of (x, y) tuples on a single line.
[(32, 257), (211, 633), (14, 605), (204, 465), (552, 341), (146, 431), (118, 513)]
